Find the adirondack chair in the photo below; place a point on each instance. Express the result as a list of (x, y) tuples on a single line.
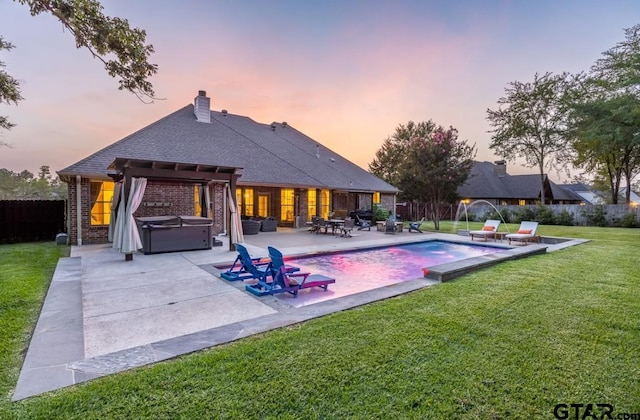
[(246, 267), (285, 280)]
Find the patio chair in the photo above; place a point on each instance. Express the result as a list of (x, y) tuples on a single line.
[(245, 267), (315, 224), (323, 224), (526, 233), (488, 230), (390, 225), (416, 226), (362, 224), (347, 228)]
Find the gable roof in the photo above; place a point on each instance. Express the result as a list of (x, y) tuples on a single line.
[(483, 182), (269, 154)]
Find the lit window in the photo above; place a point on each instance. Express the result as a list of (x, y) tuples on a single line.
[(101, 197), (312, 206), (376, 197), (197, 204), (247, 195), (522, 202), (324, 203), (286, 204)]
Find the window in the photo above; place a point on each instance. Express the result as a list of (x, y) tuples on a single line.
[(244, 198), (197, 196), (286, 204), (522, 202), (101, 196), (263, 205), (324, 203), (376, 197), (312, 203), (247, 195)]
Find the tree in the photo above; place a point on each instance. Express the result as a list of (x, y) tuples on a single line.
[(24, 186), (429, 164), (531, 123), (121, 49), (606, 119)]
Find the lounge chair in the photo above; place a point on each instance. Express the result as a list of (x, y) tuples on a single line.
[(488, 230), (285, 280), (416, 226), (362, 224), (526, 233), (246, 267)]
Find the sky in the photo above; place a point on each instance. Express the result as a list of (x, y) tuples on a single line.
[(346, 73)]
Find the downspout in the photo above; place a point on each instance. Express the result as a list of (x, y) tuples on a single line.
[(78, 210)]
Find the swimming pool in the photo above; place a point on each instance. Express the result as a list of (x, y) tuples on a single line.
[(393, 263)]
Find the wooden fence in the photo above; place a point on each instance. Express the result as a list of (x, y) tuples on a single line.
[(31, 220)]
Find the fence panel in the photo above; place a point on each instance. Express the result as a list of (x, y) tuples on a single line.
[(31, 220)]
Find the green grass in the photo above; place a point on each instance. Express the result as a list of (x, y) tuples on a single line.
[(513, 340)]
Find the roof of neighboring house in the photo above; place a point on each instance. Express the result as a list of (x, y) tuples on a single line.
[(269, 154), (485, 183)]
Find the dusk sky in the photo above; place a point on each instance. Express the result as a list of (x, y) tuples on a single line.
[(346, 73)]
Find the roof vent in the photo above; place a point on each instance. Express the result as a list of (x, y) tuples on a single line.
[(202, 107), (284, 123), (317, 151), (273, 126), (332, 159), (224, 112)]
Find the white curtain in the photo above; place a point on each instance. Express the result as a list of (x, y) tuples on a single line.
[(114, 204), (129, 238), (207, 202), (236, 234)]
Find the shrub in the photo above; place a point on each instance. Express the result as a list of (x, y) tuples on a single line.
[(629, 220), (564, 218), (379, 213), (545, 216), (596, 216), (502, 215), (524, 213)]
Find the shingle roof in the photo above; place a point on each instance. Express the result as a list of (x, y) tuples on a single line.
[(484, 183), (280, 155)]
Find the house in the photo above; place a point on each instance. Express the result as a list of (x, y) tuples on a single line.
[(491, 182), (587, 195), (272, 170)]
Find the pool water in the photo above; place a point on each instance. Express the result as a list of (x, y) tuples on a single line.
[(395, 263)]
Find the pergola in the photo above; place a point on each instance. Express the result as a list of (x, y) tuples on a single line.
[(126, 169)]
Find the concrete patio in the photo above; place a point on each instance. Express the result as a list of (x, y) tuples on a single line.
[(103, 315)]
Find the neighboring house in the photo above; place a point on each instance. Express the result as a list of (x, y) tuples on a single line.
[(635, 198), (491, 182), (275, 170), (587, 195)]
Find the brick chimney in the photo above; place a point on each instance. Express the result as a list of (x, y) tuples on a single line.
[(500, 168), (202, 107)]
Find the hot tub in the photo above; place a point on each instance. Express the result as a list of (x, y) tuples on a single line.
[(174, 233)]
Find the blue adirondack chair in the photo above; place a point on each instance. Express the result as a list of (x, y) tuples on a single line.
[(287, 280), (267, 285), (245, 267)]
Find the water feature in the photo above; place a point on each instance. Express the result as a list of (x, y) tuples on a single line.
[(466, 215)]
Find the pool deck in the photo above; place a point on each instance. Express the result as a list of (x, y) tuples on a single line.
[(103, 315)]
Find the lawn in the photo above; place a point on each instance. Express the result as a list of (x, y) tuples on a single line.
[(513, 340)]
